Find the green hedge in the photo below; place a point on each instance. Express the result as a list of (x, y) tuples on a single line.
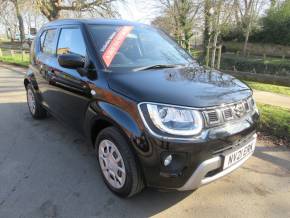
[(258, 49), (274, 66)]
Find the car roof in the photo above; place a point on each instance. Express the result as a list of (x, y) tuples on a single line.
[(61, 22)]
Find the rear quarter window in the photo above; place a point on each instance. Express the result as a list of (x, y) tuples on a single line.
[(47, 42)]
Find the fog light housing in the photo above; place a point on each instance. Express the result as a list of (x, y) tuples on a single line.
[(167, 160)]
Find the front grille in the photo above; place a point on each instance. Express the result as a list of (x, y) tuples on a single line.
[(228, 114), (234, 111), (212, 117)]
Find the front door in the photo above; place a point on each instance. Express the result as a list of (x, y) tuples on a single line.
[(71, 93)]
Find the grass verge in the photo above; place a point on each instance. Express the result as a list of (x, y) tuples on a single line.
[(275, 121), (284, 90), (17, 59)]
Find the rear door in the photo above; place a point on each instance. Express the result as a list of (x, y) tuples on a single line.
[(44, 67)]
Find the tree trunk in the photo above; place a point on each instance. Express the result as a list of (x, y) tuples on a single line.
[(214, 49), (29, 24), (176, 30), (20, 21), (206, 32), (50, 9), (249, 20), (216, 32), (246, 42), (7, 32)]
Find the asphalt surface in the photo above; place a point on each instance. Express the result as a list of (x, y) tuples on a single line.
[(46, 170), (272, 99)]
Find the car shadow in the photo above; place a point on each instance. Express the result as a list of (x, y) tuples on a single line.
[(264, 153), (47, 168)]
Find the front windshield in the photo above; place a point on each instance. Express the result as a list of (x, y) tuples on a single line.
[(134, 47)]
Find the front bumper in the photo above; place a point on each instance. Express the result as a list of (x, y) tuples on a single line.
[(200, 178), (194, 163)]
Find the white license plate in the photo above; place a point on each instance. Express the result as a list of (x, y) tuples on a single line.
[(240, 154)]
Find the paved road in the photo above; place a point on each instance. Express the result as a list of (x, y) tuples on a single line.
[(46, 170), (272, 99)]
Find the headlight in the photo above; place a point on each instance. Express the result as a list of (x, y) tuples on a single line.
[(174, 120), (254, 105)]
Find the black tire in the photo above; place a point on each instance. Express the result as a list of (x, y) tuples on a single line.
[(134, 181), (39, 112)]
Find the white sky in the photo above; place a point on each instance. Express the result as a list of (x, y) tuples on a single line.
[(139, 10), (134, 10)]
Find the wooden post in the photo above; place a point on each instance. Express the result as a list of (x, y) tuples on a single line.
[(12, 53), (1, 54), (23, 55), (219, 57)]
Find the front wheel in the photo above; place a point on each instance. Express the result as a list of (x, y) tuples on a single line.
[(120, 170), (35, 108)]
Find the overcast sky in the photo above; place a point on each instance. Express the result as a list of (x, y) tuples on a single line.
[(133, 10), (139, 10)]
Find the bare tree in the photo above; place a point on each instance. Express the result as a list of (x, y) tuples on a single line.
[(217, 15), (52, 9), (207, 22), (18, 15), (247, 12), (187, 11), (221, 17), (164, 23), (32, 17), (9, 22), (180, 15)]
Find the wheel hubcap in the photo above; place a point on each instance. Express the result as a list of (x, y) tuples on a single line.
[(31, 101), (112, 164)]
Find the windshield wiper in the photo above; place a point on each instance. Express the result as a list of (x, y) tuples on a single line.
[(157, 66)]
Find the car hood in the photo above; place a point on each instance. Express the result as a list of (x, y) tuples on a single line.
[(194, 86)]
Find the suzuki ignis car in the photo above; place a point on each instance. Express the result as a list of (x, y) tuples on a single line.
[(154, 117)]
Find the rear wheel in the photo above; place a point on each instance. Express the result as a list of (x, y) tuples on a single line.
[(118, 165), (35, 108)]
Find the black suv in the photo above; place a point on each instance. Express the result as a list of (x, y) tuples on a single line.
[(154, 116)]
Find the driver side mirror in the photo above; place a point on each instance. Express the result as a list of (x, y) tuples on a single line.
[(71, 61)]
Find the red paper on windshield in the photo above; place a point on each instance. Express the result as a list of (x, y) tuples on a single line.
[(115, 44)]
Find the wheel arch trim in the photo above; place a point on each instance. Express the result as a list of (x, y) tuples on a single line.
[(106, 114)]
